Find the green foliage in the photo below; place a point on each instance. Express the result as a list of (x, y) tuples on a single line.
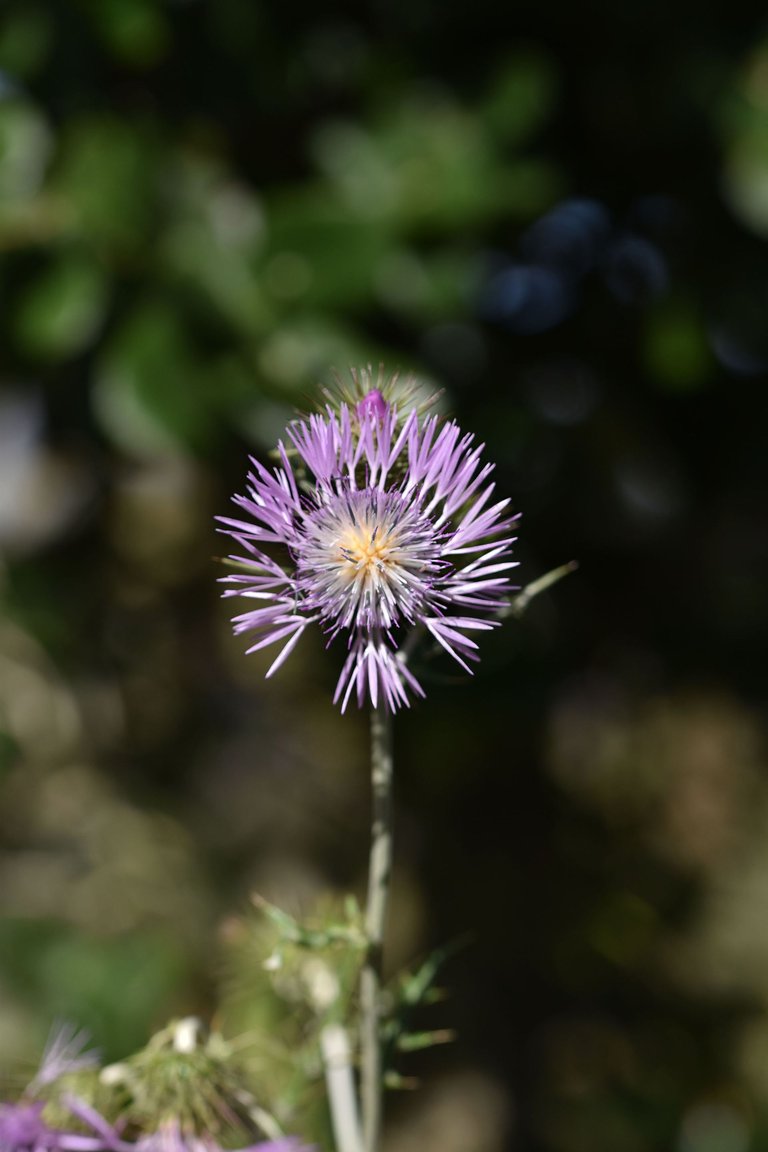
[(106, 175), (521, 98), (60, 313), (150, 387), (411, 991), (25, 146), (113, 987), (25, 38), (136, 32), (676, 352)]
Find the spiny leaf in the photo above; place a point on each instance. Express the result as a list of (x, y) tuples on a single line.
[(415, 986), (304, 937), (416, 1041), (400, 1083)]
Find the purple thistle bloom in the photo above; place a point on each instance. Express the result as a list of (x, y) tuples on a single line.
[(22, 1126), (22, 1129), (386, 524)]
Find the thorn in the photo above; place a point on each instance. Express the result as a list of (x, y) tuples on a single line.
[(523, 599)]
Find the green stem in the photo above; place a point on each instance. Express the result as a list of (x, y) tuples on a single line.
[(379, 874)]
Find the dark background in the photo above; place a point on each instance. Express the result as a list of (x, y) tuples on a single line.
[(558, 215)]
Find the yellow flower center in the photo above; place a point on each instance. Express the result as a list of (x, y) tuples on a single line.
[(365, 551)]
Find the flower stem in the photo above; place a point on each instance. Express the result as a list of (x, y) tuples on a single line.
[(379, 874), (337, 1059)]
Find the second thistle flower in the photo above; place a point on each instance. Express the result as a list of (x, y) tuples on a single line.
[(373, 523)]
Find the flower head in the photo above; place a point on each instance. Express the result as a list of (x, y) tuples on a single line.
[(372, 524), (66, 1122), (24, 1124), (363, 389)]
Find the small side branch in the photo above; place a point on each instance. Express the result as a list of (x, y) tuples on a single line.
[(520, 602)]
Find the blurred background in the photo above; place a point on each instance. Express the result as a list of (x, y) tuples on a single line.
[(559, 216)]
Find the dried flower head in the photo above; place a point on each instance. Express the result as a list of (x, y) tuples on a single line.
[(370, 526), (181, 1083)]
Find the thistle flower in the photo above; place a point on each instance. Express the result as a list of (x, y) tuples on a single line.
[(403, 393), (22, 1126), (185, 1071), (372, 524), (23, 1129)]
